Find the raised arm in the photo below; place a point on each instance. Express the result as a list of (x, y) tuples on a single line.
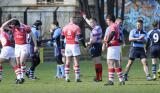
[(86, 19), (7, 22)]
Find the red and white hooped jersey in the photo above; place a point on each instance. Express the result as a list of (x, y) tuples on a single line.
[(70, 32), (5, 39), (115, 40), (20, 35)]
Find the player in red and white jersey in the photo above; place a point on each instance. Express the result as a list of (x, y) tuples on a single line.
[(72, 34), (20, 32), (7, 51), (111, 40)]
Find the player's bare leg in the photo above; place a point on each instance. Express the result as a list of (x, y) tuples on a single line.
[(127, 69), (146, 70)]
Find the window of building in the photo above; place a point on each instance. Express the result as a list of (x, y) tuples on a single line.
[(49, 1)]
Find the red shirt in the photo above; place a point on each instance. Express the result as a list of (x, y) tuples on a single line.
[(5, 39), (70, 32), (115, 41), (20, 35)]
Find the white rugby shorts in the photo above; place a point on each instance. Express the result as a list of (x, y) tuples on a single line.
[(72, 50), (7, 52), (114, 52), (21, 50)]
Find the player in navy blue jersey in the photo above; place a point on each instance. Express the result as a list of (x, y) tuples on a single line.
[(153, 43), (35, 59), (137, 37), (55, 38)]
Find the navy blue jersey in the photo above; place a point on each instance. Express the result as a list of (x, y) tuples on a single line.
[(154, 36), (56, 36)]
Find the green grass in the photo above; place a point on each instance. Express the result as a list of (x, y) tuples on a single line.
[(49, 84)]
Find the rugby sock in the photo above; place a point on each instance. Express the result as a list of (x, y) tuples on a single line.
[(67, 68), (1, 70), (100, 72), (98, 68), (111, 72), (77, 71), (23, 68), (31, 74), (58, 71), (119, 73), (17, 70), (154, 68), (62, 70)]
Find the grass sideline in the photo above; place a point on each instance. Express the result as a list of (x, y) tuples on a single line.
[(49, 84)]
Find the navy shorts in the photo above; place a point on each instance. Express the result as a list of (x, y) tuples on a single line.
[(95, 50), (155, 51), (137, 52), (32, 53)]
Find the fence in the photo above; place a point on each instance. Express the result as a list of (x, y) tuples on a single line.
[(47, 17)]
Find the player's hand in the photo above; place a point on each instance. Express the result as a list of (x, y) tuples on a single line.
[(84, 16), (35, 49), (124, 44), (103, 47), (141, 37), (88, 44)]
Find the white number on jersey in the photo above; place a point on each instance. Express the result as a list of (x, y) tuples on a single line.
[(155, 37)]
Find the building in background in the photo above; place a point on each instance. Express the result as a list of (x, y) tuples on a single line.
[(28, 11)]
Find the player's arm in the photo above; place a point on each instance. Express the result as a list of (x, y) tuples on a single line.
[(62, 41), (7, 23), (34, 40), (148, 41), (55, 35), (86, 19), (147, 44), (80, 38), (110, 37), (123, 39), (132, 38)]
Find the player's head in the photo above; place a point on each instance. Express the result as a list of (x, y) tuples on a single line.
[(155, 24), (55, 22), (110, 19), (92, 22), (119, 21), (139, 24), (72, 19), (15, 23), (54, 25), (38, 24)]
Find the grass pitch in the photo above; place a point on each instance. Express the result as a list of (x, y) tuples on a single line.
[(49, 84)]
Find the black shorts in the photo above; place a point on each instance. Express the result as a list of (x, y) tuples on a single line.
[(95, 50), (137, 52), (155, 51)]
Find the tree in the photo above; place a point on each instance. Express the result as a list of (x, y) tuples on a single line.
[(122, 8), (110, 7)]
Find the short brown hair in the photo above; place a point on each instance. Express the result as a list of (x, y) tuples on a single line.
[(155, 24), (55, 22), (140, 21), (111, 17)]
